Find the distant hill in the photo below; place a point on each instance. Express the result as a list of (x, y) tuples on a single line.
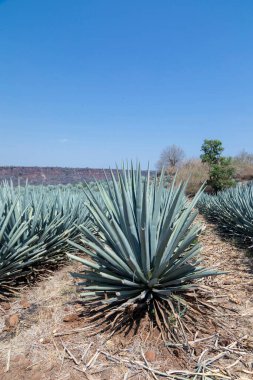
[(36, 175), (50, 175)]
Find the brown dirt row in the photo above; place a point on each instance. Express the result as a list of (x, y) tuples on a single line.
[(43, 337)]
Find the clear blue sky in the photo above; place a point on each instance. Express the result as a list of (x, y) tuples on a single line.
[(93, 82)]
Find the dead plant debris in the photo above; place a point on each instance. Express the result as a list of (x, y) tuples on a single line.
[(51, 340)]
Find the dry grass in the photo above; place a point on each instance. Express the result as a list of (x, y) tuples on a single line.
[(42, 346), (198, 173), (243, 170)]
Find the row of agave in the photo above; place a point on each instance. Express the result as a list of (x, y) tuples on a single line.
[(145, 256), (139, 239), (35, 223), (231, 210)]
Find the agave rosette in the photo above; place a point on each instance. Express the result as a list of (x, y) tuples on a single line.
[(146, 254)]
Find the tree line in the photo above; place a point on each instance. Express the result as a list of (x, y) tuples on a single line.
[(221, 169)]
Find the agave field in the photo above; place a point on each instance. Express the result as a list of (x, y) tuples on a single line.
[(139, 239), (35, 223), (133, 246), (232, 211)]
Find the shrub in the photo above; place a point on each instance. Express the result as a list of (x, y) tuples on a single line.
[(221, 171), (221, 175)]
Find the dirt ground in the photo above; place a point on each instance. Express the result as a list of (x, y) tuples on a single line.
[(43, 337)]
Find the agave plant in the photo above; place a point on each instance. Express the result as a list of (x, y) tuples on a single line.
[(145, 255), (231, 210), (35, 223)]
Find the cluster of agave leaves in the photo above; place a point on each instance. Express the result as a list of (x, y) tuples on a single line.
[(231, 210), (35, 223), (146, 252)]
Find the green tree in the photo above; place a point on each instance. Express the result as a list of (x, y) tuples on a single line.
[(221, 171), (212, 150)]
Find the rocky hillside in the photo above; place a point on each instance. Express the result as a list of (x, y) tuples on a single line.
[(49, 175)]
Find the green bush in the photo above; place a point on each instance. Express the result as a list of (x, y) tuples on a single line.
[(221, 171), (221, 175)]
